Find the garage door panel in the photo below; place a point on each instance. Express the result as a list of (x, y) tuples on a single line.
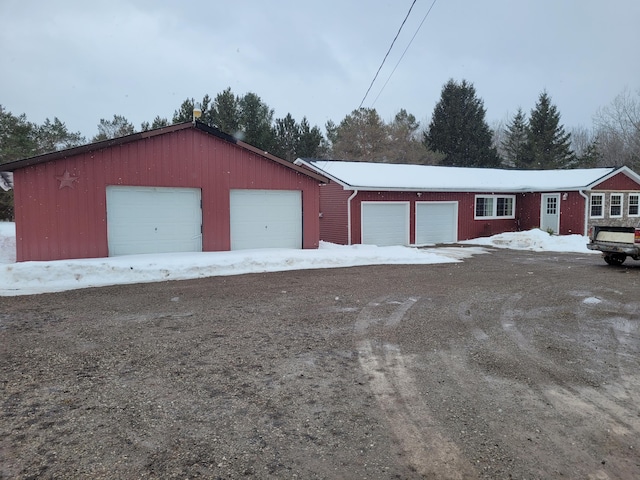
[(385, 223), (266, 219), (153, 220), (436, 222)]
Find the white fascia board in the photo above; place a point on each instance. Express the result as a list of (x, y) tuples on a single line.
[(303, 163)]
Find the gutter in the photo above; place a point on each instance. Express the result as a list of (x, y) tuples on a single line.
[(586, 211), (355, 192)]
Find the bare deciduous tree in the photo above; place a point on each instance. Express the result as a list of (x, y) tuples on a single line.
[(498, 129), (581, 139), (618, 130)]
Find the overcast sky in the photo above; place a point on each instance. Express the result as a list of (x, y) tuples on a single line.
[(82, 60)]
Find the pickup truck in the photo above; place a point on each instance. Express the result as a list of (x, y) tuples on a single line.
[(615, 243)]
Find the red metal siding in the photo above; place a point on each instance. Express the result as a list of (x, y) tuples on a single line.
[(334, 200), (572, 206), (333, 208), (57, 223), (356, 210), (618, 182), (528, 211), (468, 226), (572, 211)]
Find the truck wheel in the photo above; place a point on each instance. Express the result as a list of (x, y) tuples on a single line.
[(615, 258)]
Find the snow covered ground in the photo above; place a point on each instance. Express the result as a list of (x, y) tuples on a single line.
[(27, 278)]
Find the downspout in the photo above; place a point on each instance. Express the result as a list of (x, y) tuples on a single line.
[(355, 192), (585, 230)]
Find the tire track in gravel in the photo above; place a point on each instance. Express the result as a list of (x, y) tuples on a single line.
[(589, 400), (624, 330), (430, 452), (593, 405)]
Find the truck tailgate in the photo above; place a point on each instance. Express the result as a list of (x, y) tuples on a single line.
[(616, 237)]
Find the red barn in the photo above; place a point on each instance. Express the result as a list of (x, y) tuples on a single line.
[(393, 204), (183, 188)]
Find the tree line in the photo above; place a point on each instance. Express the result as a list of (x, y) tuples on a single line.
[(456, 135)]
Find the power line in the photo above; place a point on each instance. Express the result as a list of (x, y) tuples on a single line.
[(403, 53), (388, 51)]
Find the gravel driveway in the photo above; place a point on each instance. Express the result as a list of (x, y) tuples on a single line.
[(509, 365)]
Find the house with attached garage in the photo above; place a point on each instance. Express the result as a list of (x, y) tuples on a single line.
[(183, 188), (395, 204)]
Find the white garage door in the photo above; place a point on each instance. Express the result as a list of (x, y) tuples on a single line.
[(266, 219), (436, 222), (153, 220), (385, 223)]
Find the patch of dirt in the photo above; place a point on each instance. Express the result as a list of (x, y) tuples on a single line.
[(492, 368)]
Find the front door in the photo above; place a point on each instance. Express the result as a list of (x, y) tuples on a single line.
[(550, 212)]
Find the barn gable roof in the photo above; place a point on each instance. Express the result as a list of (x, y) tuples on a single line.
[(403, 177), (101, 145)]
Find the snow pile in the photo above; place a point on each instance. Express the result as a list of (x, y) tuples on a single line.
[(591, 301), (26, 278), (535, 240), (7, 242)]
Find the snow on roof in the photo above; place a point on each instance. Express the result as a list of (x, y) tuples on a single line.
[(389, 176)]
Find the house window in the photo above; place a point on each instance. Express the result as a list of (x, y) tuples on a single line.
[(495, 206), (552, 206), (504, 207), (597, 200), (484, 206), (634, 201), (615, 205)]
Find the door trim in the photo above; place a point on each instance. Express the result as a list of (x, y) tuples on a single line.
[(543, 208)]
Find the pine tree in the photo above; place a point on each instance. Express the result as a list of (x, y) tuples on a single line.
[(185, 112), (287, 138), (591, 157), (404, 144), (548, 145), (118, 127), (54, 136), (297, 140), (159, 122), (458, 128), (17, 140), (312, 143), (226, 112), (515, 140), (361, 136), (256, 120), (332, 133), (20, 138)]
